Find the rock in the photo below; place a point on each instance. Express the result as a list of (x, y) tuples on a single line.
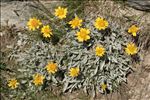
[(18, 12), (146, 62), (12, 0), (143, 5), (14, 13)]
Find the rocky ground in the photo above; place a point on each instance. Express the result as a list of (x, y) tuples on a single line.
[(138, 87)]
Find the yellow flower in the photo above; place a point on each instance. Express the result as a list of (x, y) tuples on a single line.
[(38, 79), (33, 24), (100, 51), (83, 35), (76, 22), (51, 67), (133, 30), (101, 24), (61, 12), (131, 49), (74, 72), (46, 30), (103, 86), (13, 83)]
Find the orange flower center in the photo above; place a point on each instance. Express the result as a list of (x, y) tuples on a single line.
[(61, 12), (34, 23), (101, 23), (83, 35), (131, 48), (47, 30)]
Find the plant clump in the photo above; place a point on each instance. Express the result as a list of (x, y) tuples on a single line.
[(91, 55)]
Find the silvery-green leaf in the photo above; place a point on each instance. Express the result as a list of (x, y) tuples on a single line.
[(85, 59), (48, 77), (65, 86), (54, 79), (95, 71), (93, 91), (23, 81), (102, 65)]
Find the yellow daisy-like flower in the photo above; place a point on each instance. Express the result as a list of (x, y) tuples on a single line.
[(83, 35), (133, 30), (131, 49), (13, 83), (76, 22), (61, 12), (74, 72), (33, 23), (38, 79), (51, 67), (103, 86), (47, 31), (101, 24), (100, 51)]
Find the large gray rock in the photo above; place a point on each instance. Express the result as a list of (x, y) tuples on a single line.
[(15, 12), (12, 0), (143, 5)]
